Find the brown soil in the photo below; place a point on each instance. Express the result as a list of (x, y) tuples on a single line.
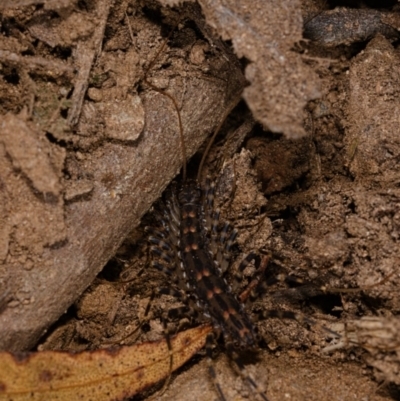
[(87, 147)]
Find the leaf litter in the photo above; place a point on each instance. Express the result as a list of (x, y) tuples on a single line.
[(107, 374)]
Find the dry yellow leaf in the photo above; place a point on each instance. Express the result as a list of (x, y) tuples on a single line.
[(99, 375)]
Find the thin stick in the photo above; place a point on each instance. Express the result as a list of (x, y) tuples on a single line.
[(85, 60)]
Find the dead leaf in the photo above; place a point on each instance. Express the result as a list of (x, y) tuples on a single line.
[(107, 374)]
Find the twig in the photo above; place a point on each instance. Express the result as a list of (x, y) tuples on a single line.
[(85, 58)]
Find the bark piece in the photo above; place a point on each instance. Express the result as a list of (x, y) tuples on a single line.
[(264, 33), (127, 179)]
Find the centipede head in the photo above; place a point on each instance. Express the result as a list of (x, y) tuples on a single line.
[(190, 192)]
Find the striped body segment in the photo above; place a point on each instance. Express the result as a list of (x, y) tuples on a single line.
[(202, 271), (195, 252)]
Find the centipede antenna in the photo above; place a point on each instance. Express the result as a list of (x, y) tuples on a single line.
[(145, 79), (211, 141)]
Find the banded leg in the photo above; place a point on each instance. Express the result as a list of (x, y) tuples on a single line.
[(174, 313), (188, 310), (218, 237), (213, 234), (210, 340), (258, 276), (171, 357), (243, 373), (227, 238), (223, 238), (209, 191), (222, 241), (166, 253)]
